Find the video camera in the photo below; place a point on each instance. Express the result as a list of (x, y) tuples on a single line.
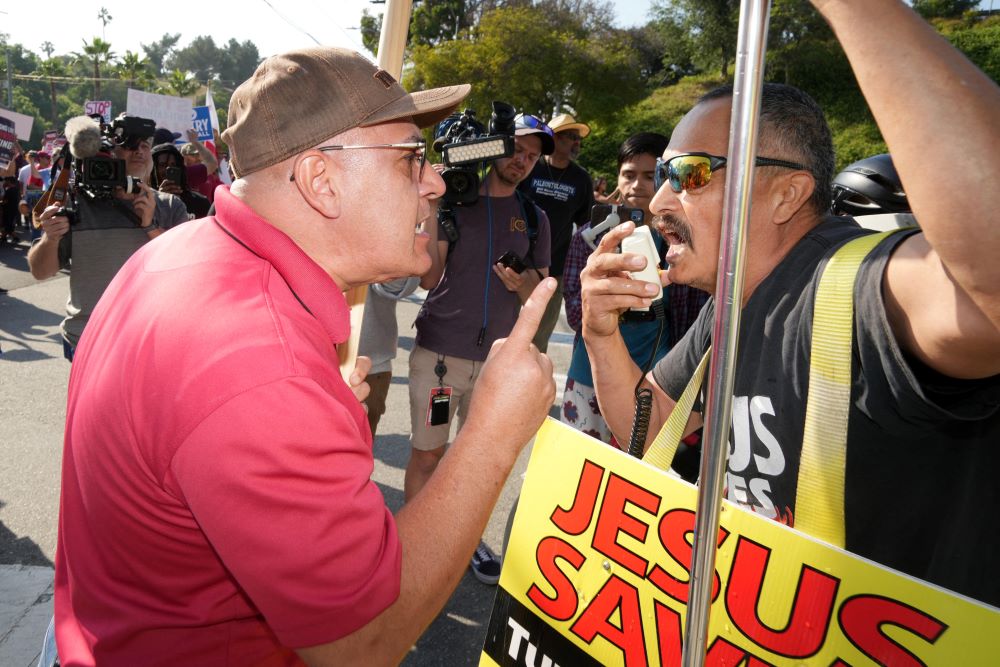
[(99, 174), (90, 167), (465, 143)]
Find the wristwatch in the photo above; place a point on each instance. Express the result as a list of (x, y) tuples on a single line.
[(151, 226)]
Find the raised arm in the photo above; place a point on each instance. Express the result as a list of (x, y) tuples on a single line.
[(207, 158), (940, 116), (607, 291), (436, 544)]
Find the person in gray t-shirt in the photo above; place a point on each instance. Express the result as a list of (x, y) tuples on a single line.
[(105, 232)]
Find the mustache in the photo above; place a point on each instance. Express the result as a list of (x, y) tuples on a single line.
[(671, 224)]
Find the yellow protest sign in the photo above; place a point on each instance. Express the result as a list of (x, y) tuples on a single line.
[(596, 573)]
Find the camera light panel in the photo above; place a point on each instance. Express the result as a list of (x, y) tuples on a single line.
[(477, 150)]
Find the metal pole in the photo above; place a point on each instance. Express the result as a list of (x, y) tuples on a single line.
[(391, 44), (10, 85), (747, 85)]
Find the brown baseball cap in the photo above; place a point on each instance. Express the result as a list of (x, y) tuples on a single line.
[(299, 99)]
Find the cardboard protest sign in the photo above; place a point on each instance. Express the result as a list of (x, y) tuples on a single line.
[(201, 120), (8, 136), (52, 141), (597, 568), (102, 107), (22, 122), (173, 113)]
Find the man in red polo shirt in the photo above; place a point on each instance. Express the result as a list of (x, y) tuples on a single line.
[(217, 504)]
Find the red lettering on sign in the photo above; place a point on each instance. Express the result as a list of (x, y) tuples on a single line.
[(668, 635), (862, 617), (562, 606), (720, 654), (812, 607), (619, 595), (724, 654), (612, 520), (575, 520), (674, 528)]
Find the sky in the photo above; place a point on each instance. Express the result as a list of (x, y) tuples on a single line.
[(274, 26)]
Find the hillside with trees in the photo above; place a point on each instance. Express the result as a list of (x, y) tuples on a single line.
[(542, 56), (550, 56), (53, 87)]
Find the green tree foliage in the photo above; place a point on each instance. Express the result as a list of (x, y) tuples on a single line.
[(134, 70), (943, 8), (705, 31), (96, 53), (51, 68), (179, 84), (538, 61), (237, 61), (159, 51), (981, 43), (658, 112), (201, 57)]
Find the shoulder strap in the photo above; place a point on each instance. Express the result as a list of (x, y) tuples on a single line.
[(819, 505), (819, 501), (530, 214), (664, 446)]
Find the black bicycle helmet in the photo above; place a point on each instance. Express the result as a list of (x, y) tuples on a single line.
[(869, 186)]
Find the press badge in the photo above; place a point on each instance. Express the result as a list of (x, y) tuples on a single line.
[(438, 408)]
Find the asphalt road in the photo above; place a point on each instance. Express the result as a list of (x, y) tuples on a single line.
[(33, 378)]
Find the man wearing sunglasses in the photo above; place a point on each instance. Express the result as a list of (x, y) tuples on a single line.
[(923, 418), (217, 504)]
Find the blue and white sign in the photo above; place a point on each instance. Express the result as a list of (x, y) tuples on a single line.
[(201, 120)]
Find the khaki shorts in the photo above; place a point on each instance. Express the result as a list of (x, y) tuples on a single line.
[(461, 377)]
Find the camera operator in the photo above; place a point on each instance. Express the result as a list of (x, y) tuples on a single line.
[(474, 300), (108, 223), (169, 176)]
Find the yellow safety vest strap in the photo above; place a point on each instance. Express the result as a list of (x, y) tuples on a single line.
[(819, 502)]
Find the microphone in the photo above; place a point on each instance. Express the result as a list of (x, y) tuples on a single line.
[(83, 134)]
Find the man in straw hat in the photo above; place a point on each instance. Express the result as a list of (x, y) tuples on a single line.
[(217, 502), (922, 403), (562, 189)]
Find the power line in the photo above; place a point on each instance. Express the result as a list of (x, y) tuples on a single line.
[(283, 18)]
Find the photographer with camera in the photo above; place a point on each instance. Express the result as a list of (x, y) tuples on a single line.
[(106, 216), (169, 176), (490, 250)]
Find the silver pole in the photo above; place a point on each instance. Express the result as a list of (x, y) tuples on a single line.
[(10, 85), (747, 85)]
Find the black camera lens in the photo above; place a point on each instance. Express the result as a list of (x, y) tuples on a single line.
[(459, 182), (100, 170), (461, 186)]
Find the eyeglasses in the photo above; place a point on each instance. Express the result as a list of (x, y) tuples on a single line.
[(525, 120), (418, 148), (690, 171)]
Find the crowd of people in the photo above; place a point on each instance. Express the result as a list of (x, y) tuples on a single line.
[(196, 415)]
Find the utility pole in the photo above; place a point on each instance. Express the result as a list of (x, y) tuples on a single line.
[(10, 86)]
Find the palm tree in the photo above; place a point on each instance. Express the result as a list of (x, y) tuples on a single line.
[(104, 18), (180, 84), (98, 52), (134, 70), (50, 69)]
